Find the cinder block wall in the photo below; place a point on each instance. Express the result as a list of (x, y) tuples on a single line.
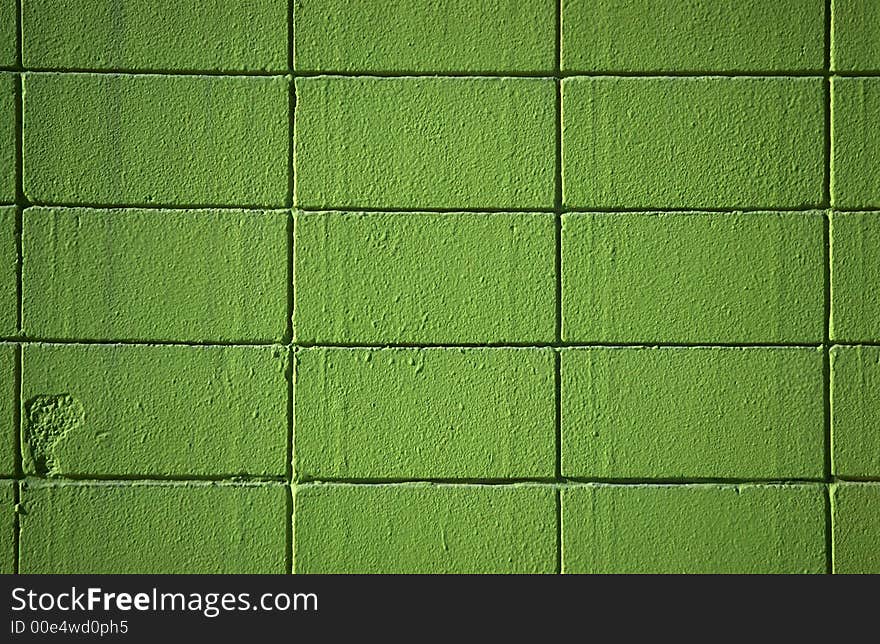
[(448, 286)]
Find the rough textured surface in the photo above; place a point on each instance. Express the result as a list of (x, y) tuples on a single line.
[(425, 143), (108, 528), (692, 142), (49, 421), (7, 138), (492, 36), (693, 529), (424, 529), (856, 528), (424, 277), (855, 274), (697, 36), (854, 28), (855, 109), (855, 420), (111, 139), (226, 35), (543, 241), (8, 396), (8, 273), (693, 277), (707, 413), (159, 411), (855, 517), (468, 413), (7, 525), (185, 275), (8, 28)]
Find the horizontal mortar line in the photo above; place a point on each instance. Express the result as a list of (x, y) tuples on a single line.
[(499, 345), (552, 75), (560, 211), (143, 343), (558, 345), (377, 481), (207, 478), (155, 480), (821, 73), (855, 74), (254, 481), (154, 206), (122, 481), (663, 210), (422, 74), (361, 209), (281, 73), (489, 74), (563, 482), (666, 73), (427, 74)]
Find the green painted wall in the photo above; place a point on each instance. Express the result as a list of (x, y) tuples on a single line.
[(531, 286)]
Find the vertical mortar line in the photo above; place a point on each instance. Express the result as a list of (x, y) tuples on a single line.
[(290, 234), (557, 390), (291, 348), (291, 109), (558, 531), (557, 206), (19, 469), (290, 36), (829, 547), (291, 393), (20, 199), (288, 559), (291, 222), (557, 359), (829, 532), (557, 199), (21, 202)]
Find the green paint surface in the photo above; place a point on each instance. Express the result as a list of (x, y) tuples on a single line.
[(429, 266), (855, 46), (7, 522), (225, 35), (855, 515), (113, 528), (8, 273), (855, 109), (692, 142), (424, 143), (693, 277), (855, 274), (425, 414), (491, 36), (695, 413), (117, 139), (424, 277), (756, 529), (855, 419), (158, 411), (7, 138), (693, 35), (8, 36), (8, 396), (424, 529), (184, 275)]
